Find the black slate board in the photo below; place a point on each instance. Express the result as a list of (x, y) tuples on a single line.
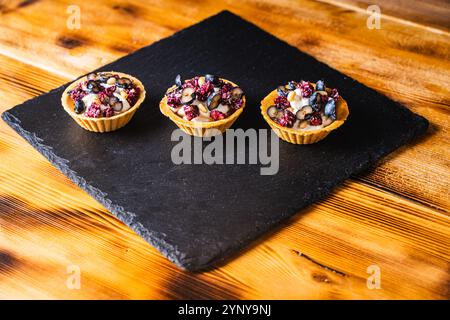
[(197, 215)]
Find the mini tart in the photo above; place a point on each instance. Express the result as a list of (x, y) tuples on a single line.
[(299, 136), (200, 128), (102, 124)]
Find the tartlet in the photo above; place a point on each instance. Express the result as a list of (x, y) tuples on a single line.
[(203, 106), (103, 101), (304, 112)]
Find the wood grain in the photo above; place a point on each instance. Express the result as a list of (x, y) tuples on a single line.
[(381, 54), (431, 14), (356, 227), (395, 216)]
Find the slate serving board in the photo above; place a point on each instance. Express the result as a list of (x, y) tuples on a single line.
[(198, 215)]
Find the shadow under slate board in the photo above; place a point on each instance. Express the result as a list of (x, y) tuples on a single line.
[(198, 215)]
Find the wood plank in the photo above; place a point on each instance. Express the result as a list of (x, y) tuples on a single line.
[(20, 82), (48, 224), (46, 229), (431, 13), (409, 64)]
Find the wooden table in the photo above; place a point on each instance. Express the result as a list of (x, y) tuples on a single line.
[(394, 217)]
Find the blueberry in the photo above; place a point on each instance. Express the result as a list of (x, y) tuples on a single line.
[(314, 102), (292, 85), (320, 85), (124, 83), (117, 106), (330, 109), (178, 81), (92, 86), (214, 100), (104, 76), (79, 106), (281, 90), (187, 95), (213, 79), (304, 113)]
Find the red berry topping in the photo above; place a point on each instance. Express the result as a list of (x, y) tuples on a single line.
[(94, 111), (191, 112), (282, 102), (204, 91), (287, 119), (306, 88), (110, 90), (238, 103), (173, 99), (103, 97), (77, 93), (133, 95), (316, 119), (226, 91), (217, 115), (108, 112), (334, 94), (191, 83)]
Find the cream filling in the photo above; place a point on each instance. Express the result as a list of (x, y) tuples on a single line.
[(307, 128), (206, 116), (89, 99), (204, 112), (125, 104), (93, 97), (297, 102)]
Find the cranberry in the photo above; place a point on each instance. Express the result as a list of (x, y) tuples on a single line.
[(77, 93), (204, 91), (110, 90), (225, 91), (108, 112), (287, 119), (282, 102), (173, 99), (306, 88), (103, 97), (191, 112), (316, 119), (133, 95), (79, 106), (334, 94), (191, 83), (238, 103), (94, 111), (217, 115)]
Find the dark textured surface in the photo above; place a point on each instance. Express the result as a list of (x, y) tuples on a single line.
[(197, 215)]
